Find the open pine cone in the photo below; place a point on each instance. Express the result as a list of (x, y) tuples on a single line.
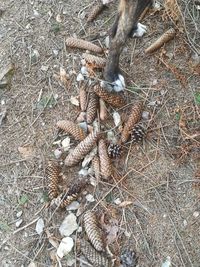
[(114, 150), (137, 133)]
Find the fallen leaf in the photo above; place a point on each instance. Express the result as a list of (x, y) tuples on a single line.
[(64, 77), (125, 204), (74, 100), (52, 239), (65, 246), (26, 151)]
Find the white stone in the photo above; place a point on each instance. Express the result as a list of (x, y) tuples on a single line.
[(19, 213), (117, 201), (18, 222), (73, 206), (90, 198), (196, 214), (66, 144), (69, 225), (39, 226), (65, 246)]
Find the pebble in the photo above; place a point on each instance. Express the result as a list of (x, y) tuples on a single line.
[(18, 222), (196, 214), (19, 213), (65, 246), (74, 205), (39, 226), (90, 198), (69, 225)]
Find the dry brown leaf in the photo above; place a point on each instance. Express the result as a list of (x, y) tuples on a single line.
[(103, 113), (125, 203), (64, 78), (27, 151)]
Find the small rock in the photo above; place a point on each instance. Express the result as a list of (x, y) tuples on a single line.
[(80, 229), (19, 213), (196, 214), (84, 71), (73, 206), (145, 115), (57, 153), (117, 118), (39, 226), (69, 225), (117, 201), (66, 144), (107, 42), (83, 125), (36, 13), (18, 222), (83, 172), (90, 198), (79, 77), (44, 68), (55, 52), (65, 246), (34, 56), (167, 262)]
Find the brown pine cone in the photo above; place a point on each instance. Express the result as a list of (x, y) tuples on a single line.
[(93, 231), (137, 133), (105, 163), (113, 99), (96, 167), (83, 98), (82, 149), (52, 174), (92, 107), (96, 10), (114, 150), (164, 38), (72, 194), (134, 117), (96, 62), (71, 128), (94, 257), (82, 44)]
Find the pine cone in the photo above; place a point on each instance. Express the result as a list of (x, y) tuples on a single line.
[(97, 62), (96, 10), (82, 149), (128, 258), (113, 99), (92, 107), (137, 133), (134, 117), (114, 150), (71, 128), (94, 257), (72, 194), (82, 44), (83, 98), (93, 231), (52, 174), (166, 37), (105, 163), (96, 167)]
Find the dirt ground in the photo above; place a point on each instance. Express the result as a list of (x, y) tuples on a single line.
[(161, 175)]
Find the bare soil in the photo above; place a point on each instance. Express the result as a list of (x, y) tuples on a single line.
[(161, 175)]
